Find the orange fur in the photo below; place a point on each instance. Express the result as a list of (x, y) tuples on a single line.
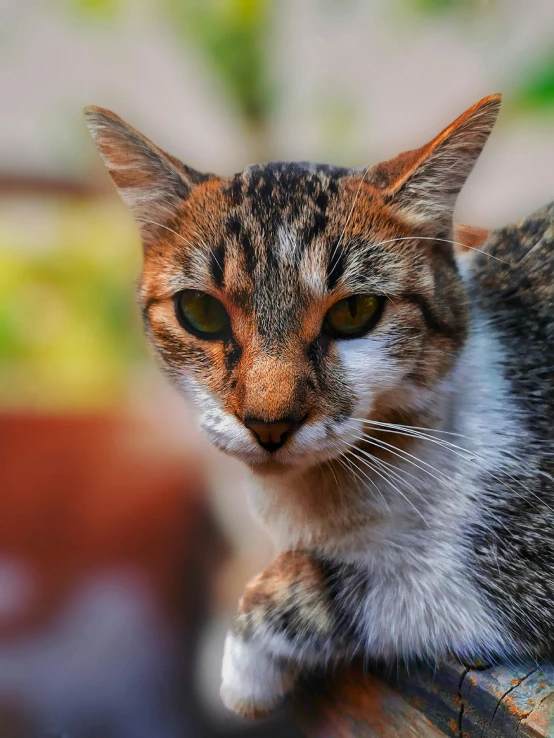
[(276, 364)]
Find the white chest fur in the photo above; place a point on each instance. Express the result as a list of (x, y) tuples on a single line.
[(422, 598)]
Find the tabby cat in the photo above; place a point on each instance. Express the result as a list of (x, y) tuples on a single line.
[(392, 395)]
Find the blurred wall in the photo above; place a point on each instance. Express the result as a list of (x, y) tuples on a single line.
[(352, 81)]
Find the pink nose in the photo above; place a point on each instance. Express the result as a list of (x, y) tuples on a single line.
[(270, 435)]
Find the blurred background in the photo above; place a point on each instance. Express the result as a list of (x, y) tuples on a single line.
[(124, 541)]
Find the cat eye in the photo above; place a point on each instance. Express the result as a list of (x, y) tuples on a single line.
[(353, 316), (201, 314)]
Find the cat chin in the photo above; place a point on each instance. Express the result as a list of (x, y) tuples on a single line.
[(275, 466), (271, 468)]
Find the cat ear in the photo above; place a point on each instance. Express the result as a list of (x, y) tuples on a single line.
[(152, 183), (424, 184)]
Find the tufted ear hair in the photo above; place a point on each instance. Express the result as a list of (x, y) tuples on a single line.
[(151, 182), (423, 184)]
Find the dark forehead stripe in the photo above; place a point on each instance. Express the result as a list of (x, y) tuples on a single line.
[(336, 265), (217, 263), (266, 196), (284, 184), (318, 220), (235, 190), (265, 199), (239, 233)]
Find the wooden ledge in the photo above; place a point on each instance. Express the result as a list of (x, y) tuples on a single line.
[(453, 700)]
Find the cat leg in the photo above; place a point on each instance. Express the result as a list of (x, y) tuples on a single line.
[(299, 613)]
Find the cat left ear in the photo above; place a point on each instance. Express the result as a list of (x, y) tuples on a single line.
[(423, 184), (151, 182)]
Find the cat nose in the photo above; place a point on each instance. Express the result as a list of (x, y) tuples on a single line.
[(270, 435)]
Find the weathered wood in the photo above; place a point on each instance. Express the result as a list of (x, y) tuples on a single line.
[(492, 702), (451, 700), (500, 699), (359, 705), (435, 692)]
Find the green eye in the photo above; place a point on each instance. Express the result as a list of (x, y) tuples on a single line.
[(353, 316), (201, 314)]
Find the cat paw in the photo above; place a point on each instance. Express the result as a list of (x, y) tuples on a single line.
[(254, 684), (286, 621)]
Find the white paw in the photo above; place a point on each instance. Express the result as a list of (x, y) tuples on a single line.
[(253, 683)]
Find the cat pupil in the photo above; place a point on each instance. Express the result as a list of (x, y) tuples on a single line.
[(353, 306)]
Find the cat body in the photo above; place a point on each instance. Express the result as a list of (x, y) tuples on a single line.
[(391, 394)]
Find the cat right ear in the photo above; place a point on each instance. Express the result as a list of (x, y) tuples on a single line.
[(423, 184), (151, 182)]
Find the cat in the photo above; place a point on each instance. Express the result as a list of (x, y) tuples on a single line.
[(392, 395)]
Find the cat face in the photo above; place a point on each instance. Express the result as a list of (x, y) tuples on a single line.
[(293, 301)]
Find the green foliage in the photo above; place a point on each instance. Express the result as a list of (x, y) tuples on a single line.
[(100, 9), (442, 7), (535, 93), (69, 331), (234, 37), (336, 116)]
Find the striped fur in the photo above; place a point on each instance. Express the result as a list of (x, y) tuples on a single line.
[(403, 501)]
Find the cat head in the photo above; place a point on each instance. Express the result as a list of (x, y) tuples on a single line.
[(293, 301)]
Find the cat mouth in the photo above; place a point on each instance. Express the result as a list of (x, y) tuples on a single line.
[(288, 458), (266, 456)]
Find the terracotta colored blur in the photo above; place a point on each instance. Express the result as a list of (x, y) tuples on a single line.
[(81, 495)]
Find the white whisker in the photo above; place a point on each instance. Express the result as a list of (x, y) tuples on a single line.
[(458, 451), (373, 458), (394, 487), (444, 240), (366, 476), (355, 200), (160, 225), (405, 456)]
